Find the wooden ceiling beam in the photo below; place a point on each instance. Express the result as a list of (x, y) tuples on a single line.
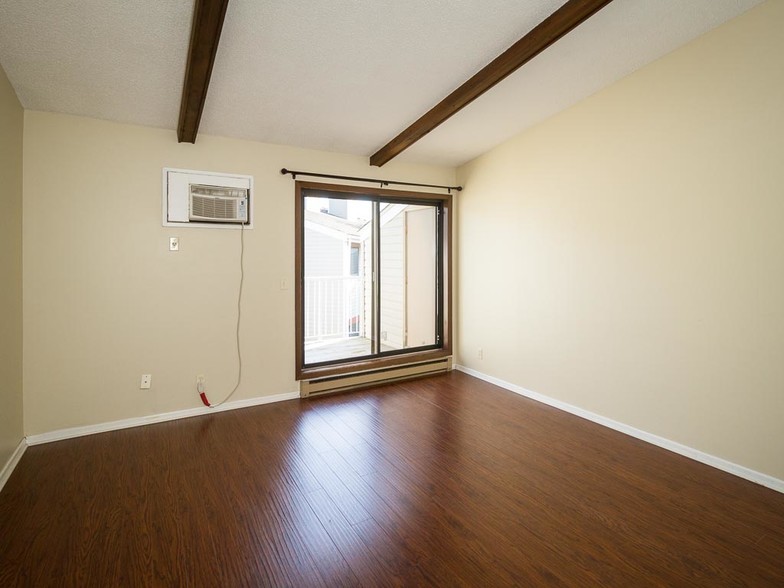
[(208, 18), (555, 26)]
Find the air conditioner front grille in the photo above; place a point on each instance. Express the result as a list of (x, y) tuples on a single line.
[(211, 207), (217, 204)]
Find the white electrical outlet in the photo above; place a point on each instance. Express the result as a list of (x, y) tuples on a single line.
[(480, 353), (201, 380), (146, 382), (174, 243)]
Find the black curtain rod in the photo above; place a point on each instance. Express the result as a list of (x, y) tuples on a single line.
[(383, 183)]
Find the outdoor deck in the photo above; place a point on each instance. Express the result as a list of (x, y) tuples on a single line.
[(318, 351)]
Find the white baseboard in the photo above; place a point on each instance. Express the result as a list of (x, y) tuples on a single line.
[(9, 466), (690, 452), (61, 434)]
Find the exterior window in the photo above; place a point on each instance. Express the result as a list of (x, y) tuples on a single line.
[(372, 278), (354, 259)]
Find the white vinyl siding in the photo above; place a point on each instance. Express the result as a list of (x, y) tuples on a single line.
[(323, 254), (393, 282)]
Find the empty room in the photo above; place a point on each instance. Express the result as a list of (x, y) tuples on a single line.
[(364, 293)]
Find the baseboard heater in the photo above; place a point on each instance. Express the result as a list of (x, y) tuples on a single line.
[(329, 384)]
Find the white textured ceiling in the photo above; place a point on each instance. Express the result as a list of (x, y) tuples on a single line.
[(342, 75)]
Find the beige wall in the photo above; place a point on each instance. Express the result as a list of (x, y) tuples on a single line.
[(105, 300), (627, 255), (11, 129)]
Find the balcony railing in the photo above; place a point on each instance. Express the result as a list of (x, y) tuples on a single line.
[(333, 307)]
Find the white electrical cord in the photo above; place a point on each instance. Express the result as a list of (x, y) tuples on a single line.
[(239, 315)]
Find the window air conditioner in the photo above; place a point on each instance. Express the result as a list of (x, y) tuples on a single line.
[(207, 199), (218, 204)]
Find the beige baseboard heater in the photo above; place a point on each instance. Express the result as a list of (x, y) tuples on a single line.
[(329, 384)]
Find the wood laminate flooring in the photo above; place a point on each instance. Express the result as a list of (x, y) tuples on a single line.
[(444, 481)]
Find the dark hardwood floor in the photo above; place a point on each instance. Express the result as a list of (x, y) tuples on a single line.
[(445, 481)]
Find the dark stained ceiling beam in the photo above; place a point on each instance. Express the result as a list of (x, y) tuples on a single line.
[(555, 26), (208, 18)]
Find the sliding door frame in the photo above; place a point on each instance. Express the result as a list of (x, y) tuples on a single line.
[(443, 348)]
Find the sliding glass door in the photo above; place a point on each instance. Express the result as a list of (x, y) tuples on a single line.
[(372, 278)]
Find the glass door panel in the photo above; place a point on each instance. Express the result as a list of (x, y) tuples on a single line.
[(409, 276), (337, 282)]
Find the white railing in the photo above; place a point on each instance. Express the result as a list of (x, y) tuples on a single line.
[(333, 307)]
